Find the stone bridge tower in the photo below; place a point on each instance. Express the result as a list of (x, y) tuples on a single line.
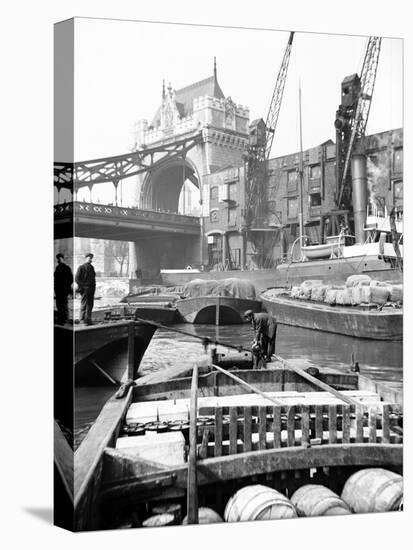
[(177, 185)]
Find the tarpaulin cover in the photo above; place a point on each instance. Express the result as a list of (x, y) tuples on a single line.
[(235, 288), (358, 279)]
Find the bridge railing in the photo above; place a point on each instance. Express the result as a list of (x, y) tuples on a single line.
[(123, 212)]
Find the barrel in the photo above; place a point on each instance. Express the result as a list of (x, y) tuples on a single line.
[(169, 508), (317, 500), (205, 515), (373, 490), (159, 520), (258, 502)]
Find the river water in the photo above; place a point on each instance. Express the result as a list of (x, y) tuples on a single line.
[(377, 359)]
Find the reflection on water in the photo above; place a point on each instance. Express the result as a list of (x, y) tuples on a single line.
[(379, 360)]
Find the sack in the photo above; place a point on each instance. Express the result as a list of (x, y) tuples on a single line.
[(379, 294), (365, 294), (330, 296), (354, 280), (396, 293), (318, 293), (295, 292)]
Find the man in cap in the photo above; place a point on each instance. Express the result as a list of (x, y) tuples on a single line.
[(265, 327), (63, 279), (86, 281)]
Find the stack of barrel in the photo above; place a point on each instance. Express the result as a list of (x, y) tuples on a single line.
[(368, 490)]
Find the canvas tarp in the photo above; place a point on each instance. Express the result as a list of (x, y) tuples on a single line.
[(235, 288)]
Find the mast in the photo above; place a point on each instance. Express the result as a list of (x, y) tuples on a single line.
[(300, 170)]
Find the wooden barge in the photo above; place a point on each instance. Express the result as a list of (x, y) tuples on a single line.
[(190, 444), (359, 322)]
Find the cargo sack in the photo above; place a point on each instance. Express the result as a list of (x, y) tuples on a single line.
[(295, 292), (344, 297), (379, 294), (396, 293), (354, 280), (356, 295), (330, 296), (318, 293), (365, 294)]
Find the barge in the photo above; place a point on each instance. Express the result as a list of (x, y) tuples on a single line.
[(357, 321), (197, 445)]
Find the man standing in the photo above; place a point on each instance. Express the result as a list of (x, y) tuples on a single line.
[(265, 326), (63, 279), (86, 281)]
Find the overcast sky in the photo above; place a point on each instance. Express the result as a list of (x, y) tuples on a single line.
[(119, 67)]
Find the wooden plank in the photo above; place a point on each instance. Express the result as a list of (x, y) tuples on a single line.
[(346, 424), (359, 424), (131, 351), (203, 450), (305, 425), (332, 424), (318, 383), (64, 460), (259, 462), (290, 426), (102, 433), (247, 429), (276, 426), (192, 484), (319, 422), (218, 431), (233, 430), (247, 385), (104, 373), (372, 425), (118, 464), (386, 424), (262, 427)]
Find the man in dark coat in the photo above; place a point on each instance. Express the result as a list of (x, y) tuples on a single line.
[(86, 282), (265, 326), (63, 279)]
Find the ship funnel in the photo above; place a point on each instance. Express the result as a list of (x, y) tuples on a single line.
[(359, 191)]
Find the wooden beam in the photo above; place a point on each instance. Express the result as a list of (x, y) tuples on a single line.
[(222, 469), (64, 460), (103, 372), (192, 482)]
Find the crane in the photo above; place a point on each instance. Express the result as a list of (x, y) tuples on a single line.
[(352, 117), (261, 140)]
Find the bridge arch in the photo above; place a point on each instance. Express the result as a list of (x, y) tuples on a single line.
[(162, 189)]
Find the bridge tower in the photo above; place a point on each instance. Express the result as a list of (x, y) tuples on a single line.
[(177, 185)]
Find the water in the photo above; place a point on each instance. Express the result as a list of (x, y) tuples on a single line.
[(379, 360)]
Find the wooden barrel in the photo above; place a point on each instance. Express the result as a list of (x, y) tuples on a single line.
[(257, 502), (159, 520), (205, 515), (373, 490), (317, 500), (169, 508)]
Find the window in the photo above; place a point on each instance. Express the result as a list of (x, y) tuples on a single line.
[(398, 160), (292, 177), (315, 172), (214, 193), (214, 215), (292, 208), (398, 191), (315, 199), (232, 192)]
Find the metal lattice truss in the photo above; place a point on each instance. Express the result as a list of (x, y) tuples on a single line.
[(359, 123), (255, 196), (76, 175)]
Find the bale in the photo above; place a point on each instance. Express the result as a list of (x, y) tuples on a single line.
[(365, 294), (356, 298), (396, 293), (354, 280), (379, 294), (330, 296), (295, 292), (318, 293)]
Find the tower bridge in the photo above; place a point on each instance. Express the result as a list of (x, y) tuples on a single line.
[(195, 132)]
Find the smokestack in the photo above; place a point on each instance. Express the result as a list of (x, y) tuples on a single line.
[(359, 192)]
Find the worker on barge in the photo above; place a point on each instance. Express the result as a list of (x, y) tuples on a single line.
[(86, 281), (63, 279), (265, 327)]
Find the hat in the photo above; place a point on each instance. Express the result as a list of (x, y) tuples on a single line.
[(248, 313), (89, 255), (60, 255)]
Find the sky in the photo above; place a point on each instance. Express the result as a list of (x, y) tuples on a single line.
[(120, 65)]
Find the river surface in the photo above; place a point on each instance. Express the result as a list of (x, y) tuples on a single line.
[(377, 359)]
